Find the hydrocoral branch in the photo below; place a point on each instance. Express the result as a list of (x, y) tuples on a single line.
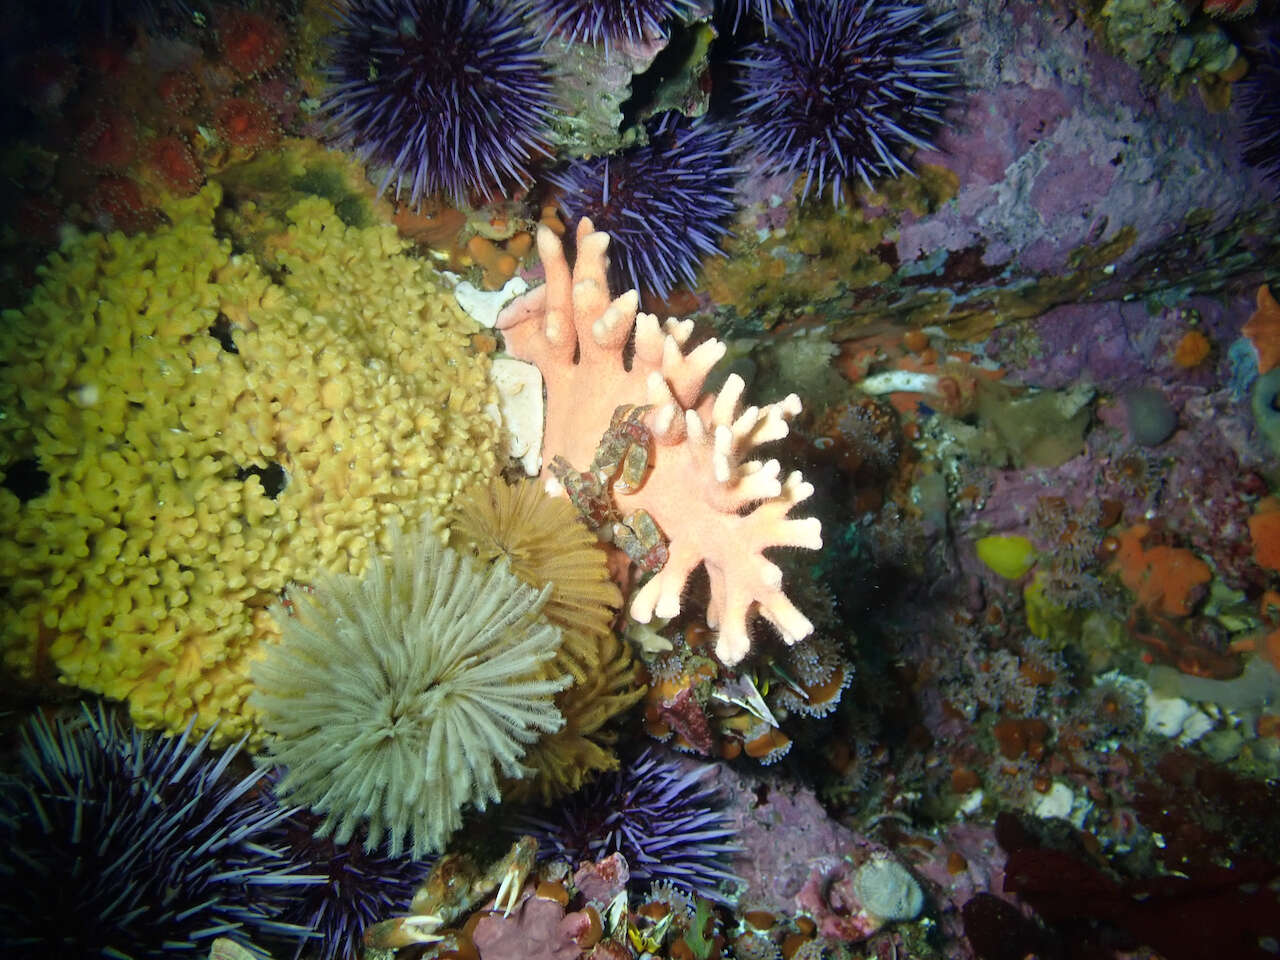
[(714, 505)]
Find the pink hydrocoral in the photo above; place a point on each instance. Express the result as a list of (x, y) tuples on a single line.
[(713, 505)]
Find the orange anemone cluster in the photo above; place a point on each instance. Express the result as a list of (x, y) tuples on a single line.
[(765, 743), (498, 251), (1019, 737), (246, 123), (957, 374), (133, 119), (251, 43), (1264, 531), (179, 91), (499, 260), (818, 676), (107, 137), (171, 160), (697, 709), (116, 203), (1267, 642)]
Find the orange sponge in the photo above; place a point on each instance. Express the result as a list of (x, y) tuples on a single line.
[(1166, 580)]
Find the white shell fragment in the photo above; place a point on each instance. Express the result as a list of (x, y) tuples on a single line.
[(483, 306), (523, 415)]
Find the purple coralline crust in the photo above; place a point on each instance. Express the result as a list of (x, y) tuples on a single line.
[(1015, 493), (1207, 478), (983, 874), (1120, 345), (1007, 121), (764, 197), (537, 930), (830, 897), (1110, 345), (1213, 484), (984, 863), (1068, 184), (783, 839), (1057, 146), (788, 840)]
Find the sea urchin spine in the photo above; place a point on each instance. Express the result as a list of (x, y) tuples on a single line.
[(607, 22), (1260, 102), (664, 205), (743, 10), (844, 88), (661, 814), (359, 889), (119, 844), (447, 96)]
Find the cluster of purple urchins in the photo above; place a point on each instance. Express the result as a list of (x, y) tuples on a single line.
[(123, 845), (449, 96), (665, 205), (844, 88), (657, 813), (358, 890), (606, 22)]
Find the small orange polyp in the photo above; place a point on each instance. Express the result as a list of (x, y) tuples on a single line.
[(767, 744)]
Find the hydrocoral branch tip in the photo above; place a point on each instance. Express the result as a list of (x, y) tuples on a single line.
[(711, 503)]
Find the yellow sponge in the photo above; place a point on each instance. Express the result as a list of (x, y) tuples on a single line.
[(1010, 556), (193, 430)]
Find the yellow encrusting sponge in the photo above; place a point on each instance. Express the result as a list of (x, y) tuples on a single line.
[(212, 428)]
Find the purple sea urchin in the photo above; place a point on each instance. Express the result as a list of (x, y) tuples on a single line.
[(124, 845), (606, 22), (844, 88), (659, 814), (359, 888), (1260, 101), (762, 9), (664, 205), (449, 96)]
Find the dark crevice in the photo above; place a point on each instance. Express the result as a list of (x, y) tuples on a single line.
[(221, 331), (25, 479), (676, 58), (272, 477)]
